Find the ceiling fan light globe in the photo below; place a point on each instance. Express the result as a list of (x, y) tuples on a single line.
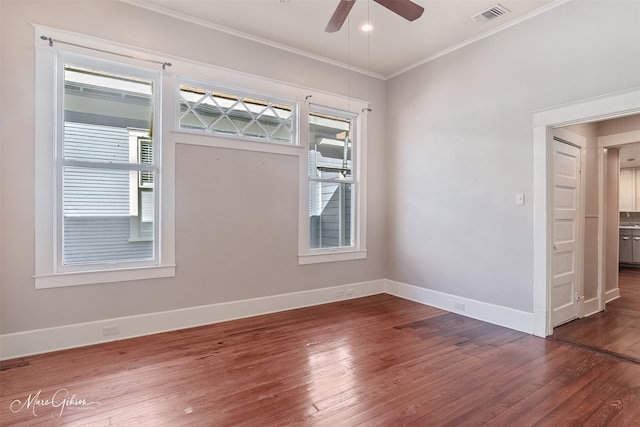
[(367, 27)]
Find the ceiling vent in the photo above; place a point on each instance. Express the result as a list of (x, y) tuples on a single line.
[(492, 13)]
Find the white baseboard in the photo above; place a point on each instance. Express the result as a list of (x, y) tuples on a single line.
[(611, 295), (590, 307), (39, 341), (498, 315), (82, 334)]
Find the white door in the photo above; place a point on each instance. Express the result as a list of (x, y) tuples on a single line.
[(566, 233)]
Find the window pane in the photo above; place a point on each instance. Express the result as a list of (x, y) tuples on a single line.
[(96, 223), (329, 146), (105, 215), (99, 107), (230, 114), (329, 214)]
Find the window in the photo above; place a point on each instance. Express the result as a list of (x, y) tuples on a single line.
[(330, 179), (333, 211), (96, 136), (96, 166), (232, 113)]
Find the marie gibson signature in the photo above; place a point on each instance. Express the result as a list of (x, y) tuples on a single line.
[(59, 400)]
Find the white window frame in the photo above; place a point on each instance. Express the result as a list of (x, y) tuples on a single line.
[(49, 272), (357, 249)]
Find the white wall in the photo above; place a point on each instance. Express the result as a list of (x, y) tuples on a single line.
[(460, 145), (221, 252)]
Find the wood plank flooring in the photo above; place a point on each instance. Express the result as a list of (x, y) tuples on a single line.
[(374, 361), (615, 330)]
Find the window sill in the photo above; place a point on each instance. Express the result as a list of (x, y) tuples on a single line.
[(331, 256), (59, 280), (189, 137)]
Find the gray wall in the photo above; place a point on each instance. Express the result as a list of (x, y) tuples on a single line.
[(460, 145), (222, 252)]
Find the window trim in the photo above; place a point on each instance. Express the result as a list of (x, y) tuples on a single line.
[(48, 271)]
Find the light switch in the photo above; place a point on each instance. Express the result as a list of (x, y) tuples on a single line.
[(519, 199)]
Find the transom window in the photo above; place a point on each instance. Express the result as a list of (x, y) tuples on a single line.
[(229, 112)]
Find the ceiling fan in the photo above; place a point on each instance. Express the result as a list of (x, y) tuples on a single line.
[(405, 8)]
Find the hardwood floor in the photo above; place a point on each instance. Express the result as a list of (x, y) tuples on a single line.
[(617, 329), (375, 361)]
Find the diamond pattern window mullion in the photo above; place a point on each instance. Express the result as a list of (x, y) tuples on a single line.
[(192, 109), (256, 119), (228, 113)]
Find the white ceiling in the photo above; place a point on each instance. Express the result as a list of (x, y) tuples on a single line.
[(394, 46)]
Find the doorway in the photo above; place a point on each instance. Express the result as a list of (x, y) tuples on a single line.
[(610, 106), (616, 330)]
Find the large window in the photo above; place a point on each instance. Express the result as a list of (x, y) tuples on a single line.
[(98, 141), (103, 111)]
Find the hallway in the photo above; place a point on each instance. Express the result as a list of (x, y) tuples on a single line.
[(616, 330)]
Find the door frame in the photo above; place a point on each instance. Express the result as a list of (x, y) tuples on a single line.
[(604, 107)]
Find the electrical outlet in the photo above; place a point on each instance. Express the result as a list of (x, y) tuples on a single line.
[(459, 306), (110, 330), (349, 292), (340, 294)]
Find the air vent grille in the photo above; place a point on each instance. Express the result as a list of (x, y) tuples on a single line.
[(492, 13)]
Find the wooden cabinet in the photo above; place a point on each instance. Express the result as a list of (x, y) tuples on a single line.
[(629, 246), (635, 250), (629, 188), (626, 246)]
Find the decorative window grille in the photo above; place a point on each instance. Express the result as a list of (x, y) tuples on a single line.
[(230, 112)]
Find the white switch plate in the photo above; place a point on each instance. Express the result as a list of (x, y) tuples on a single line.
[(519, 199)]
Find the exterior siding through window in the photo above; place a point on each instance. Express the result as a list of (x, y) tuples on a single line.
[(96, 202)]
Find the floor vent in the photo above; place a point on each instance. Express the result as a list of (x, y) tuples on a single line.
[(492, 13)]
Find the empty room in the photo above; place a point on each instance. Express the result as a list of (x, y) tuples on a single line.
[(318, 212)]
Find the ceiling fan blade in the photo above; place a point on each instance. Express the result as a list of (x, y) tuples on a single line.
[(405, 8), (339, 16)]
